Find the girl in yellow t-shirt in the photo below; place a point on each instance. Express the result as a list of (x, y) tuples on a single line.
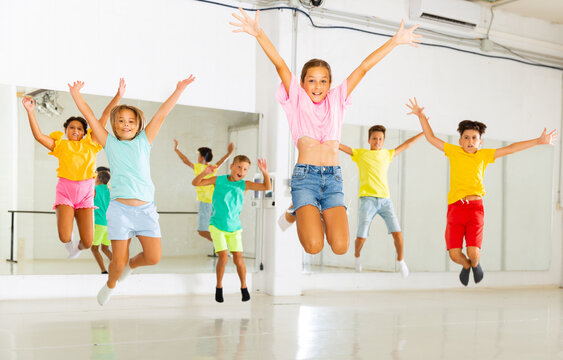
[(77, 161), (204, 193)]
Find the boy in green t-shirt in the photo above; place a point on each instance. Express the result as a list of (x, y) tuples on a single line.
[(225, 226), (374, 192), (101, 201), (204, 193)]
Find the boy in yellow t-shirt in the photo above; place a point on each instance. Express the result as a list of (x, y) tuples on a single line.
[(374, 192), (204, 193), (465, 205)]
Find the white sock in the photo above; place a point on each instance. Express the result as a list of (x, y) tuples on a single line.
[(403, 268), (104, 294), (126, 272), (74, 251), (357, 264), (283, 223), (68, 246)]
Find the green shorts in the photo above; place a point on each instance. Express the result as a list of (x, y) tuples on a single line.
[(101, 235), (222, 239)]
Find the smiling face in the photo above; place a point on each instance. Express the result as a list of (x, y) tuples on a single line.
[(316, 83), (126, 124), (376, 140), (75, 130), (239, 169), (470, 141)]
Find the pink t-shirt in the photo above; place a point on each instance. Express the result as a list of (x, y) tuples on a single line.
[(322, 121)]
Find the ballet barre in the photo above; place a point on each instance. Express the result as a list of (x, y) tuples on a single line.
[(13, 212)]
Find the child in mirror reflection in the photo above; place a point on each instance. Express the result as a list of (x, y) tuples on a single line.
[(468, 161), (225, 226), (374, 191), (131, 211), (74, 197), (204, 193), (101, 201)]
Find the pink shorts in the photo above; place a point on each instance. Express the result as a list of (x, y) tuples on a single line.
[(77, 194)]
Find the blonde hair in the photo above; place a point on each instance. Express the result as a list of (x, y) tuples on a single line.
[(241, 158), (139, 115)]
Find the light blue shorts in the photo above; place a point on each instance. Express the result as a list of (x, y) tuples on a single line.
[(203, 216), (371, 206), (126, 221)]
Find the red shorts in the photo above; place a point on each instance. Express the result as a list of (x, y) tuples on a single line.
[(465, 218)]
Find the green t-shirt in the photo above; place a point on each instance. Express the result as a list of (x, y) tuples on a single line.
[(227, 202), (101, 201)]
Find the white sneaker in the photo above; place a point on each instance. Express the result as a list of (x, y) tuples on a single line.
[(74, 252), (126, 272), (403, 268), (104, 294), (68, 246), (358, 264)]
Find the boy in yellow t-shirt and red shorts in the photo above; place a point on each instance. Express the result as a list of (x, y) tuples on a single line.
[(374, 192), (465, 205)]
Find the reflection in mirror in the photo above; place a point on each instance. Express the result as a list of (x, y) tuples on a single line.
[(37, 247), (418, 184)]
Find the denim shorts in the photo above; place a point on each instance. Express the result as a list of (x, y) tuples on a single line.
[(371, 206), (203, 216), (320, 186), (126, 221)]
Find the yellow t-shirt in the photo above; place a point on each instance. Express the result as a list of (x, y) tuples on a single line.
[(204, 193), (466, 171), (373, 165), (77, 159)]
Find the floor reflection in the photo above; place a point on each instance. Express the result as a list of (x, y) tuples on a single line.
[(454, 324)]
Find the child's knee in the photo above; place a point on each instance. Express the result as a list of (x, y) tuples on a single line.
[(313, 247), (473, 252), (152, 259), (339, 248), (95, 248)]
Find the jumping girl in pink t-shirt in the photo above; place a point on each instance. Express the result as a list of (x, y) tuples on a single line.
[(315, 114)]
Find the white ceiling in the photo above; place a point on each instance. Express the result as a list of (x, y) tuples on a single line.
[(548, 10)]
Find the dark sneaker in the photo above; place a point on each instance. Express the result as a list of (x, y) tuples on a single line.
[(464, 276), (477, 273)]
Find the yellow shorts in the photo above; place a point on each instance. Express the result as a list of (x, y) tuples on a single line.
[(224, 239), (101, 235)]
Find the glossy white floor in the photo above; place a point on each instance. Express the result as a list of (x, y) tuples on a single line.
[(454, 324)]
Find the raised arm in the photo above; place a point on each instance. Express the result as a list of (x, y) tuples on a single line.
[(200, 181), (113, 103), (99, 132), (230, 149), (182, 156), (403, 36), (266, 185), (426, 129), (543, 139), (346, 149), (48, 142), (404, 146), (156, 122), (252, 27)]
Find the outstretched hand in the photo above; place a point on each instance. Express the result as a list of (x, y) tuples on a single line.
[(415, 109), (231, 147), (209, 169), (28, 104), (121, 88), (548, 139), (184, 83), (407, 36), (175, 144), (262, 165), (75, 87), (247, 24)]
